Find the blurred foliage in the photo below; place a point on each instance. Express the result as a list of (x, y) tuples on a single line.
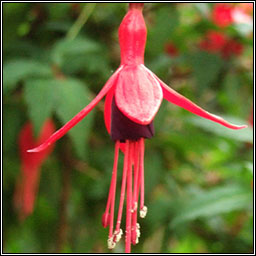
[(199, 175)]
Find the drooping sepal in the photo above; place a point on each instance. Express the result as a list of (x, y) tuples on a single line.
[(181, 101), (76, 119)]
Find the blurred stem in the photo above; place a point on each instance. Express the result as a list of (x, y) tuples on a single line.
[(81, 20), (62, 232)]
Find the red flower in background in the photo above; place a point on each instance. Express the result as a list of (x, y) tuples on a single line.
[(222, 14), (218, 42), (214, 41), (246, 7), (27, 185), (232, 47), (171, 49), (133, 97), (241, 15)]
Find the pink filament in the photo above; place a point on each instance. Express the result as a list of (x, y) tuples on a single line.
[(129, 201), (121, 203), (106, 218), (133, 185), (113, 189), (142, 149), (135, 192)]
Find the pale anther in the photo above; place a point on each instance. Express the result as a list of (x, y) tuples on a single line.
[(143, 211)]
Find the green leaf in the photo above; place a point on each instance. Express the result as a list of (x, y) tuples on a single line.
[(167, 20), (213, 202), (58, 11), (190, 242), (40, 97), (152, 164), (160, 210), (206, 68), (71, 97), (203, 8), (12, 120), (244, 135), (244, 29), (66, 97), (59, 26), (17, 70), (66, 48), (93, 63), (23, 50)]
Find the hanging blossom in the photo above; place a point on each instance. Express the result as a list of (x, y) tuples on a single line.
[(225, 14), (232, 48), (218, 42), (27, 185), (171, 49), (242, 13), (222, 14), (133, 97), (213, 41)]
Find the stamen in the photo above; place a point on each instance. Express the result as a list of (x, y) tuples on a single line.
[(135, 192), (142, 149), (133, 167), (106, 218), (113, 192), (118, 235), (111, 243), (137, 233), (136, 176), (129, 202), (143, 211), (121, 203)]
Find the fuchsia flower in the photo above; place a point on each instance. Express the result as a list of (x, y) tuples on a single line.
[(218, 42), (222, 14), (133, 97), (171, 49), (231, 48), (27, 186), (242, 13), (239, 16), (213, 42)]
